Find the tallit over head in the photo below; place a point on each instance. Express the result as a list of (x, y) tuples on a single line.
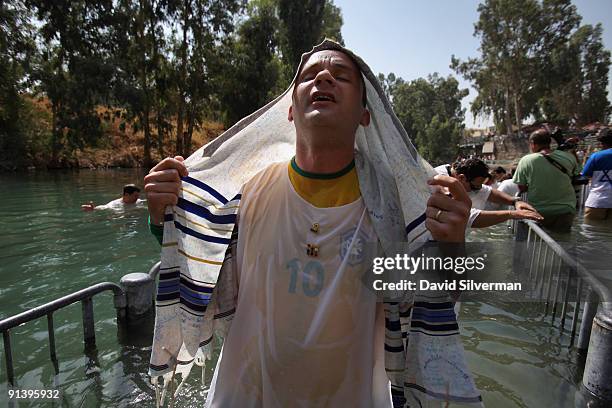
[(194, 301)]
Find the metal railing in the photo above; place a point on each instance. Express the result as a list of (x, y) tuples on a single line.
[(89, 337), (557, 276)]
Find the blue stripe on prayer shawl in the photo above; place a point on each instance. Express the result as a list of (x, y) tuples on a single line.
[(161, 297), (158, 367), (205, 213), (237, 197), (168, 289), (434, 328), (171, 285), (205, 342), (193, 306), (434, 306), (206, 188), (415, 223), (224, 314), (168, 282), (394, 349), (166, 276), (204, 237), (197, 298), (432, 319), (392, 324), (168, 217), (425, 314), (196, 287)]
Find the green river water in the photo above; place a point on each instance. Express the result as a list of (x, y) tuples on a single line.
[(49, 248)]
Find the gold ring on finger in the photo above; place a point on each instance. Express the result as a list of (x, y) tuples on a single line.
[(437, 217)]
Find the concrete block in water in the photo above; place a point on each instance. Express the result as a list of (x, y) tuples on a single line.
[(139, 290), (598, 368)]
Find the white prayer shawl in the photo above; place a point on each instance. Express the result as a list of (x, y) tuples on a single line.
[(424, 356)]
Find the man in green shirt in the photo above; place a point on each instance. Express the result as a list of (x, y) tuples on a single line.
[(547, 176)]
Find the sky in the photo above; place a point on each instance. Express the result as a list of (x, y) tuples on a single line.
[(415, 38)]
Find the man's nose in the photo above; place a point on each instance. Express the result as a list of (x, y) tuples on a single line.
[(324, 76)]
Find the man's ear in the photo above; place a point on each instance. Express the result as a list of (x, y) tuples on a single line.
[(290, 115), (365, 118)]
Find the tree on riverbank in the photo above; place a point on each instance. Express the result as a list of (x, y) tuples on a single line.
[(430, 111), (16, 51), (537, 61), (162, 69)]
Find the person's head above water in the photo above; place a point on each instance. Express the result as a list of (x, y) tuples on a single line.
[(328, 102), (131, 193), (472, 173)]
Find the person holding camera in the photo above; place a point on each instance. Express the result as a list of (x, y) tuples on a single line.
[(547, 176)]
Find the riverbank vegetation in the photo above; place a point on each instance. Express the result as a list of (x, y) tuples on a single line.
[(78, 74), (539, 62), (125, 82)]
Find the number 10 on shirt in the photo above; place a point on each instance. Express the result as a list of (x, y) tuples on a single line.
[(312, 277)]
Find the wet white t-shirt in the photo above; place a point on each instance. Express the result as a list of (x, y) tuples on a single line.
[(118, 204), (306, 332)]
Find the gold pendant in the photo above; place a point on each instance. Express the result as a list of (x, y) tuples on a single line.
[(312, 250)]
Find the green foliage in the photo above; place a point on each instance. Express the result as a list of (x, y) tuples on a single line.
[(430, 111), (16, 50), (537, 61), (252, 68), (167, 65), (305, 24), (578, 80)]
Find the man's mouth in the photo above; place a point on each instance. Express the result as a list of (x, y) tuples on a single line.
[(323, 97)]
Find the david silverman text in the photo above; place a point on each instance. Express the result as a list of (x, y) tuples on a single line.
[(464, 284)]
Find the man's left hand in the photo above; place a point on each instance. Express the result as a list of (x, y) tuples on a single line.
[(447, 216)]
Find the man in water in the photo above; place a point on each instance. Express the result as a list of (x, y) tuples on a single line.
[(130, 198), (547, 177), (598, 205), (305, 331)]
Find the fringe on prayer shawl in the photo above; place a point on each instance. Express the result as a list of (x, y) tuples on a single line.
[(197, 291)]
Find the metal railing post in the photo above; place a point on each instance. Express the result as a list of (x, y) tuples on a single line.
[(89, 332), (8, 355), (51, 332), (46, 310), (576, 312), (598, 367), (588, 313)]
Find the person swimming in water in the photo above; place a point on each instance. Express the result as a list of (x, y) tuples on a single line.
[(130, 198)]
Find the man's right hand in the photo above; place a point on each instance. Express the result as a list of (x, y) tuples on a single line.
[(162, 185)]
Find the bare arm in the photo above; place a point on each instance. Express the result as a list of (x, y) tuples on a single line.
[(488, 218), (499, 197)]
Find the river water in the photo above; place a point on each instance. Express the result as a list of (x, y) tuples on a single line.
[(49, 248)]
